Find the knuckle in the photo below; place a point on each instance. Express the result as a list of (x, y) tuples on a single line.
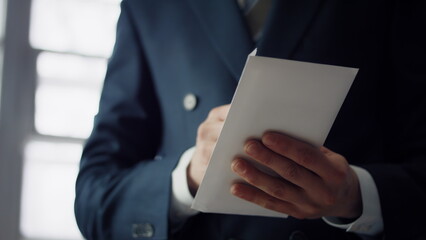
[(278, 191), (341, 173), (214, 112), (269, 203), (305, 155), (291, 171), (330, 200), (203, 131), (200, 129), (251, 178), (267, 159)]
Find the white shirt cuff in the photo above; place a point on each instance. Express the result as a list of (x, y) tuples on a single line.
[(370, 222), (181, 198)]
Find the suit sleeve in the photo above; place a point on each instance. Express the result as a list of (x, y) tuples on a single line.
[(122, 190), (402, 182)]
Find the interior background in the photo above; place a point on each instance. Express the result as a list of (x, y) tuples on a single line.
[(53, 56)]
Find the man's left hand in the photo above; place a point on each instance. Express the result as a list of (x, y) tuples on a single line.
[(312, 181)]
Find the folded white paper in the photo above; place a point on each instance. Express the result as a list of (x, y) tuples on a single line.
[(296, 98)]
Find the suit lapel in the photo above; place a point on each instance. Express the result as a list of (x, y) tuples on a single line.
[(285, 27), (225, 26)]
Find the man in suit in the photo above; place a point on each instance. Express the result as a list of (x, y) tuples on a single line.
[(175, 61)]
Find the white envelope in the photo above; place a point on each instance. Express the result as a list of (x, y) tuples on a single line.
[(296, 98)]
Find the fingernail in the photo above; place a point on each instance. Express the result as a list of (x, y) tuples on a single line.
[(234, 190), (268, 139), (237, 166), (251, 147)]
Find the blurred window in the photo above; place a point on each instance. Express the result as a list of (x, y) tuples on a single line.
[(48, 193), (2, 18), (2, 25), (77, 26), (67, 94), (73, 39)]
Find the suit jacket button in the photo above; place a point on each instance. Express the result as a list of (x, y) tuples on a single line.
[(297, 235), (142, 230), (189, 102)]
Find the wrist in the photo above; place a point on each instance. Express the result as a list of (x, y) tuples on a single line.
[(192, 184), (353, 207)]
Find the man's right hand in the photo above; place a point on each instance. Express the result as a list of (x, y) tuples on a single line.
[(207, 135)]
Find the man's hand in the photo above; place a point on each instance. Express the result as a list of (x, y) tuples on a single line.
[(207, 135), (313, 182)]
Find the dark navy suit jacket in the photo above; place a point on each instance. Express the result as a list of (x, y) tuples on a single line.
[(167, 49)]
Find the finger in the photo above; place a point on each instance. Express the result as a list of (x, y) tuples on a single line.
[(276, 187), (261, 198), (283, 166), (324, 150), (219, 113), (209, 131), (205, 151), (300, 152)]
